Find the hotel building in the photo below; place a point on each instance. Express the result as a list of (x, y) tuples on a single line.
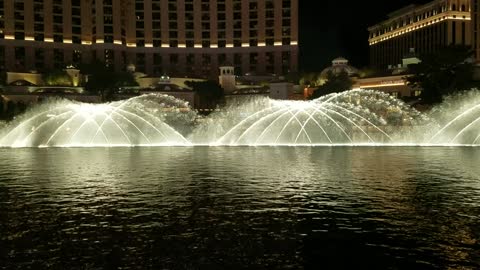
[(476, 28), (177, 37), (425, 28)]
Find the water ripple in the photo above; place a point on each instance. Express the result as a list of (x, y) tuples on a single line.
[(289, 208)]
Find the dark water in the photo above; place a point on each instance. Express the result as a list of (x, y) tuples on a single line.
[(239, 207)]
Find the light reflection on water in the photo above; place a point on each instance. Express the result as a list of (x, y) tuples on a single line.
[(248, 207)]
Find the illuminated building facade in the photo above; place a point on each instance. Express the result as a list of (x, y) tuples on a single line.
[(178, 37), (425, 28), (476, 28)]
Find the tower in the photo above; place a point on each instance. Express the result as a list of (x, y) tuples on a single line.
[(227, 78)]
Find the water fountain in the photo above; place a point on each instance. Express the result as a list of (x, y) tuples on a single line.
[(459, 120), (356, 117), (62, 123), (353, 117)]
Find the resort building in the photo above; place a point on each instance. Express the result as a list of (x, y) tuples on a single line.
[(476, 29), (175, 37), (426, 28)]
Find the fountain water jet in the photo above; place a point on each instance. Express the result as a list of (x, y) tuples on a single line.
[(356, 117), (63, 123), (459, 120), (349, 118)]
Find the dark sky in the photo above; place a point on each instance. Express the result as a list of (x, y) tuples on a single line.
[(332, 28)]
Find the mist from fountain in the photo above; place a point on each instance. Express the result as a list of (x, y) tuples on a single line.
[(457, 120), (356, 117), (144, 120)]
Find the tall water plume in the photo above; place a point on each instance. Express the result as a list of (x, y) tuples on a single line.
[(144, 120)]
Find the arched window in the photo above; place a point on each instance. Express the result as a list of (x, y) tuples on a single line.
[(463, 8)]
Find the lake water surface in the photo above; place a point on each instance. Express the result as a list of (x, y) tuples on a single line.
[(240, 207)]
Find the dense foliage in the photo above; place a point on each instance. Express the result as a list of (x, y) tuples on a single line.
[(335, 83), (57, 77), (442, 73), (104, 81), (210, 93)]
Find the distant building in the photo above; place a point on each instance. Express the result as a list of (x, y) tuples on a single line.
[(181, 38), (394, 80), (475, 7), (340, 65), (227, 78), (426, 28)]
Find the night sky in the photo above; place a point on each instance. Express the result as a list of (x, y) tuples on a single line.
[(332, 28)]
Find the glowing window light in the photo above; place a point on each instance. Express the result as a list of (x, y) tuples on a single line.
[(422, 25)]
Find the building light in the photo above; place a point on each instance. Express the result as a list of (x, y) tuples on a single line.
[(69, 41), (86, 42), (182, 45), (131, 45), (118, 42), (262, 44), (164, 45), (229, 45), (245, 44), (382, 85), (148, 45), (48, 39), (29, 39), (402, 31), (197, 46), (294, 43), (9, 37), (99, 41), (214, 46)]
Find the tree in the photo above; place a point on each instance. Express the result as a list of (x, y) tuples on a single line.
[(57, 77), (293, 77), (104, 81), (11, 108), (311, 79), (3, 77), (210, 93), (442, 73), (335, 83), (2, 107)]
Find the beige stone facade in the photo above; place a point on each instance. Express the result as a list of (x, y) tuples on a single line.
[(177, 37), (425, 28)]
